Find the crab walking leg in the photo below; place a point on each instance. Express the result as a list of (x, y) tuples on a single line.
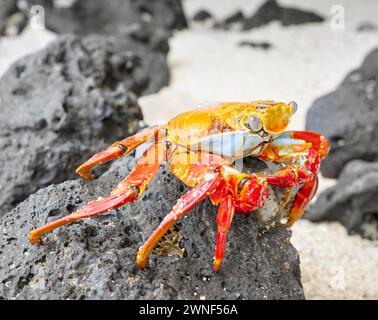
[(296, 174), (183, 205), (250, 189), (224, 219), (93, 208), (116, 150), (301, 200), (301, 160), (128, 190), (303, 149)]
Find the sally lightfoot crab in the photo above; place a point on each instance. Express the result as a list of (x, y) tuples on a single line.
[(201, 148)]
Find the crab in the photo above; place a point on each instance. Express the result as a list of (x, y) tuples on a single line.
[(201, 148)]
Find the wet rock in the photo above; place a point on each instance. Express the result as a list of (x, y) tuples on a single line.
[(352, 201), (111, 17), (349, 118), (59, 106), (202, 15), (255, 44), (95, 258), (272, 11), (12, 20)]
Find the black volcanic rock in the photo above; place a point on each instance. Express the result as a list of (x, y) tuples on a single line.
[(59, 106), (148, 23), (349, 118), (272, 11), (353, 201), (112, 16), (255, 44), (202, 15), (95, 258), (367, 27)]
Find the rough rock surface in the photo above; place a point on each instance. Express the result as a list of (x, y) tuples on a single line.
[(349, 118), (352, 201), (112, 17), (58, 107), (95, 258), (148, 23)]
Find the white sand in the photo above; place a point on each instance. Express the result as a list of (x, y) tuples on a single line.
[(335, 265)]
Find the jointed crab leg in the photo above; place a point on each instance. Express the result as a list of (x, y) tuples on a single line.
[(296, 173), (302, 150), (301, 200), (224, 219), (306, 150), (183, 205), (128, 190), (117, 149), (93, 208)]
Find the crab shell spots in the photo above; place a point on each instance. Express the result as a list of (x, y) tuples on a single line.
[(276, 119)]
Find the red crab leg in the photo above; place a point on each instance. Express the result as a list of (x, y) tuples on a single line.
[(117, 149), (128, 190), (183, 205), (301, 200), (306, 158), (250, 190), (224, 219), (304, 149), (304, 167)]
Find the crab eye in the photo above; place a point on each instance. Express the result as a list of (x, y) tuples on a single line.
[(254, 123), (294, 106)]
